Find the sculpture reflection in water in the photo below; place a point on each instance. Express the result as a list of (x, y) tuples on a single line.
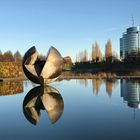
[(130, 91), (43, 98)]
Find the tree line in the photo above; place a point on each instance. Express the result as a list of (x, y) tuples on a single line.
[(96, 55), (8, 56)]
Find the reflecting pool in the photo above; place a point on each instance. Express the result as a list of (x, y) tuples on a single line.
[(70, 110)]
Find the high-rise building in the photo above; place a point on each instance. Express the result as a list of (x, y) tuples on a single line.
[(130, 42)]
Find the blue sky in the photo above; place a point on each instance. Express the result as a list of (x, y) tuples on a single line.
[(69, 25)]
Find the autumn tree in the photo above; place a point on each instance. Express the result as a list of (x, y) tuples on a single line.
[(8, 56), (115, 56), (1, 57), (108, 51), (93, 53), (18, 57), (96, 53)]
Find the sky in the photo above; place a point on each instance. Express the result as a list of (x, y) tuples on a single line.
[(69, 25)]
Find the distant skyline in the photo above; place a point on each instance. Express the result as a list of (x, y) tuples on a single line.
[(70, 26)]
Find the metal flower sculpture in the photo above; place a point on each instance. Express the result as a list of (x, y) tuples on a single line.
[(42, 71), (43, 98)]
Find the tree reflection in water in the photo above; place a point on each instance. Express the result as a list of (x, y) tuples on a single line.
[(97, 83), (43, 98), (11, 87)]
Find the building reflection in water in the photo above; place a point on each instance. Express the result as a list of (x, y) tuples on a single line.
[(11, 87), (43, 98), (130, 91)]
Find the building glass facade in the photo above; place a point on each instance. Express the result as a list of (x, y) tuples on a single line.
[(129, 43)]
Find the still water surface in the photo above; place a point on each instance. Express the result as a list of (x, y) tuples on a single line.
[(70, 110)]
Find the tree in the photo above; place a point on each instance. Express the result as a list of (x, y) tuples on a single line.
[(96, 53), (42, 57), (83, 56), (93, 53), (108, 51), (8, 56), (115, 56), (1, 57), (18, 57), (77, 60)]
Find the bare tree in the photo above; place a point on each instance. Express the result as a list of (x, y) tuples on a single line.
[(85, 55), (82, 56)]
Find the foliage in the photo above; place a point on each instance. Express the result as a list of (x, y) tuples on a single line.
[(10, 69), (11, 87), (96, 53), (17, 57), (9, 57), (108, 51)]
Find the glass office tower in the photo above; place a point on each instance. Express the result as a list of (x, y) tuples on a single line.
[(129, 42)]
